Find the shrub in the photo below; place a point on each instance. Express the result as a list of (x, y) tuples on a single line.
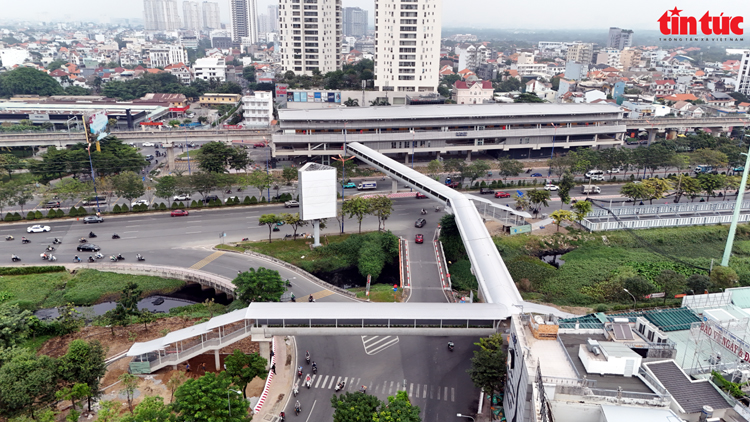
[(82, 211), (253, 200), (8, 217), (124, 208), (193, 204), (162, 206), (601, 308), (17, 216), (262, 199), (73, 212), (246, 201), (38, 214), (31, 270), (155, 206), (116, 209), (51, 213), (174, 205), (31, 215), (181, 205), (60, 213)]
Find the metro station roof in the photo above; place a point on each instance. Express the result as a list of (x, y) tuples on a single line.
[(445, 111)]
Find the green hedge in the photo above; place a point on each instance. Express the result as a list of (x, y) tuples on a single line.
[(31, 215), (162, 206), (31, 270), (60, 213), (246, 201), (73, 212), (253, 200)]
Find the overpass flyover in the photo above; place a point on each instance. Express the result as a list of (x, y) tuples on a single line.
[(716, 124)]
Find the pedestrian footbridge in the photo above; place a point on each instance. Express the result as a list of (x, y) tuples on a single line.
[(262, 321)]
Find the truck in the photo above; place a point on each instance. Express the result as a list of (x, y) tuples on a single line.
[(587, 189), (484, 191), (367, 186)]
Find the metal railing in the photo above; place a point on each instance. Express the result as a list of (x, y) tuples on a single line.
[(668, 209), (661, 222)]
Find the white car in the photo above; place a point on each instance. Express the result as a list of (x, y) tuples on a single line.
[(597, 177), (613, 171), (182, 198), (147, 144), (551, 187), (139, 202), (38, 229), (233, 198)]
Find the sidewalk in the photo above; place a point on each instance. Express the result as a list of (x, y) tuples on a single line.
[(281, 385)]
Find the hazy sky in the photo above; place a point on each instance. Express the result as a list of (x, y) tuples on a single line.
[(501, 14)]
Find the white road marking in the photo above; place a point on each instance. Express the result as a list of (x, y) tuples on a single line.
[(138, 225), (453, 394), (376, 344), (390, 390), (445, 395), (192, 232), (424, 392), (331, 384), (318, 382), (311, 410), (133, 231)]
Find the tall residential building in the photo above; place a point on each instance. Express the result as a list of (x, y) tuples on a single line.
[(355, 22), (580, 52), (191, 15), (620, 38), (743, 76), (273, 18), (310, 36), (244, 20), (630, 57), (211, 15), (263, 26), (407, 45), (161, 15)]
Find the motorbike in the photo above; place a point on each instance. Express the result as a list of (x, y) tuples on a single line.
[(92, 235), (9, 237), (24, 240), (140, 257), (113, 258), (340, 386), (528, 170), (295, 391), (308, 381), (76, 259), (423, 212), (56, 241), (437, 209), (315, 369), (311, 299), (297, 409), (91, 259), (299, 372), (276, 228), (15, 258), (239, 189), (287, 236), (307, 357), (282, 417), (120, 257), (49, 248), (115, 236), (98, 255), (52, 258), (245, 239), (450, 346), (82, 240), (229, 191)]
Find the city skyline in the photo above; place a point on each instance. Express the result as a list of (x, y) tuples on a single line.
[(457, 13)]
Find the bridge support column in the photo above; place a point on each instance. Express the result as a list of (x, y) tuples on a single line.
[(715, 132), (468, 156), (265, 351), (170, 159), (394, 186), (651, 135), (217, 361)]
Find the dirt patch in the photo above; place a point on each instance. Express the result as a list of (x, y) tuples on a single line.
[(575, 310)]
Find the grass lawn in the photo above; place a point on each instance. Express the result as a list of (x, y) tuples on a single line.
[(293, 251), (594, 258), (86, 287), (379, 293)]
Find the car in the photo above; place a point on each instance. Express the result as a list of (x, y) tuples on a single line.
[(536, 174), (179, 213), (598, 177), (419, 239), (551, 187), (502, 194), (92, 219), (140, 202), (210, 198), (613, 171), (131, 144), (232, 198), (259, 145), (149, 157), (453, 185), (420, 223), (38, 229), (350, 185), (738, 169), (421, 195), (94, 199), (182, 197), (291, 204), (147, 144), (88, 247), (52, 204)]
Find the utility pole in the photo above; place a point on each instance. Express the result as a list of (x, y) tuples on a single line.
[(736, 214)]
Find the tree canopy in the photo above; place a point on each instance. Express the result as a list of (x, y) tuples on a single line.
[(261, 285), (28, 81), (209, 399), (244, 367)]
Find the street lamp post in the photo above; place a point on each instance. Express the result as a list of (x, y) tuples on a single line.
[(343, 176), (229, 403), (412, 153), (736, 213), (464, 416), (631, 295), (268, 158), (552, 154)]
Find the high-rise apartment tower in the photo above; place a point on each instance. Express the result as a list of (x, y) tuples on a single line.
[(244, 20), (211, 17), (161, 15), (310, 35)]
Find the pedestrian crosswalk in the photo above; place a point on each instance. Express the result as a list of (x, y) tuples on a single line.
[(385, 388), (376, 344)]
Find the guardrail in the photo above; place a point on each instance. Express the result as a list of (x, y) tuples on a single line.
[(192, 276), (654, 209), (661, 222)]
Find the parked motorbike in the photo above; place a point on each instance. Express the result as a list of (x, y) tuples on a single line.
[(287, 236)]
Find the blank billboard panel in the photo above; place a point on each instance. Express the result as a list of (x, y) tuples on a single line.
[(317, 191)]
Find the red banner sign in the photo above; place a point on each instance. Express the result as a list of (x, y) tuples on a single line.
[(232, 127), (179, 109), (152, 124)]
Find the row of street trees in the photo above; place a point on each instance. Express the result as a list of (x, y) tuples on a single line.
[(359, 207)]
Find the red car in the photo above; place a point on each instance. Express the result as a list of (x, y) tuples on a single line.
[(179, 213), (421, 196), (419, 239), (453, 185), (502, 195), (259, 145)]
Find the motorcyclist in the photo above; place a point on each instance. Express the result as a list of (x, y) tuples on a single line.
[(363, 389), (14, 258), (76, 259), (294, 298), (299, 371), (297, 407), (307, 356), (450, 345), (91, 234), (91, 259), (140, 257), (314, 367), (115, 236), (423, 211), (120, 257), (311, 299)]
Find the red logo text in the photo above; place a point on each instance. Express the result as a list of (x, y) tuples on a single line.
[(671, 23)]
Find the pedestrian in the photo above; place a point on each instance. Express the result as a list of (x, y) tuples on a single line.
[(187, 368), (273, 368), (272, 354), (203, 367)]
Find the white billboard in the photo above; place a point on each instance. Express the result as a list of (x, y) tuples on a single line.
[(317, 191)]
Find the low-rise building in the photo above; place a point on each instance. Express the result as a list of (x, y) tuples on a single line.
[(663, 88), (164, 55), (257, 109), (208, 68), (219, 99), (472, 92), (181, 71)]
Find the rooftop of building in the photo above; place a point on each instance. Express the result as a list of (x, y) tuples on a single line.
[(673, 319), (691, 395), (445, 110), (572, 343)]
